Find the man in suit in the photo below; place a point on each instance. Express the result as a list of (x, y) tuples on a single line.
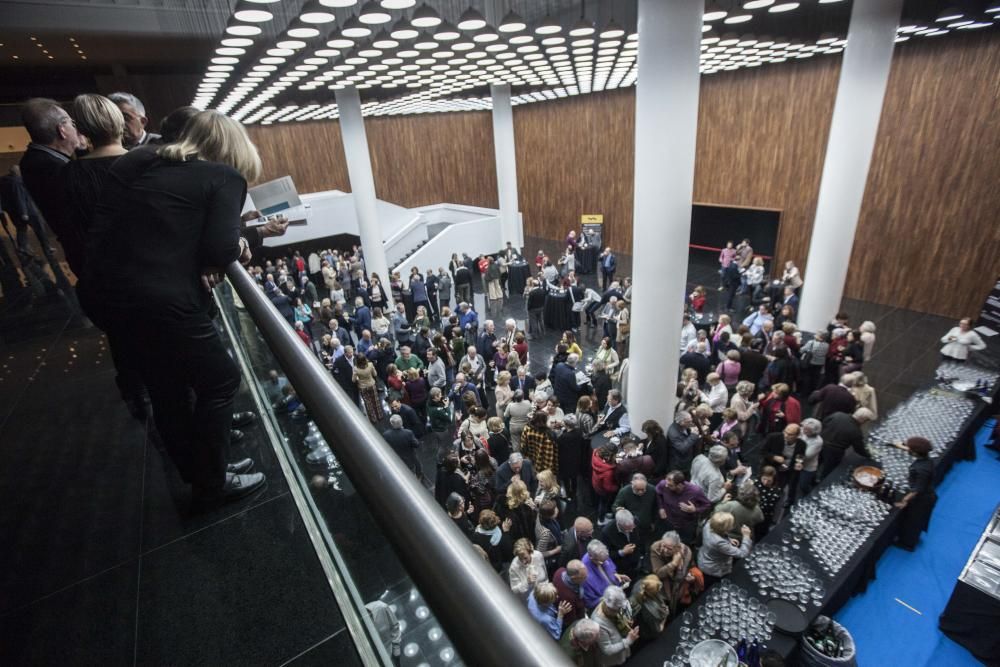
[(403, 442), (564, 383), (411, 420), (463, 283), (609, 264), (135, 120), (362, 318), (695, 358), (683, 440), (614, 420), (622, 540), (752, 363), (575, 540), (535, 303), (343, 373), (15, 200), (790, 299), (431, 284), (54, 139), (515, 467)]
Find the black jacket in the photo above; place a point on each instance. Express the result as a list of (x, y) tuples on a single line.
[(158, 225), (566, 388), (752, 365), (411, 420), (683, 447), (699, 362), (403, 442), (774, 445), (536, 299), (343, 373)]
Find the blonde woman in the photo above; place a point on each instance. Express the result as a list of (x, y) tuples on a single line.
[(527, 570), (548, 487), (169, 224), (867, 330), (746, 408), (504, 394), (519, 508), (864, 393), (649, 608), (607, 354)]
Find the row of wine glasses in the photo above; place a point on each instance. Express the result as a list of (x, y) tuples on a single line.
[(933, 414), (727, 612), (781, 574), (834, 522)]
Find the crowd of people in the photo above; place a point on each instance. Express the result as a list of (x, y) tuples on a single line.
[(603, 527)]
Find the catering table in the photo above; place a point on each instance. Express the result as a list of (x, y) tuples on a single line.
[(586, 259), (852, 578), (558, 311), (517, 277), (972, 615)]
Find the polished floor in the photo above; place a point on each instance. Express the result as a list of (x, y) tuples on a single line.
[(103, 562)]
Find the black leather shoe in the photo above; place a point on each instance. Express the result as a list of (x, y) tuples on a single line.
[(236, 435), (240, 467), (241, 419)]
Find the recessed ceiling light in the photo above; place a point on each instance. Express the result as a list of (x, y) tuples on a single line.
[(757, 4), (242, 30), (398, 4), (737, 18), (373, 14), (949, 14), (783, 7), (714, 11), (253, 15), (237, 41)]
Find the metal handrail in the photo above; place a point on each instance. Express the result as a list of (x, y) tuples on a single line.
[(477, 611)]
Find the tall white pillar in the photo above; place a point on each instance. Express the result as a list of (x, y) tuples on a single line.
[(503, 146), (666, 123), (359, 169), (863, 78)]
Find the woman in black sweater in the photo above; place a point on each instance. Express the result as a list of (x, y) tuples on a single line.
[(166, 225)]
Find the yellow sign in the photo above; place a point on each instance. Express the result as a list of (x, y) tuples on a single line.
[(593, 218)]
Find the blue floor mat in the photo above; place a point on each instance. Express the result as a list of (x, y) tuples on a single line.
[(895, 621)]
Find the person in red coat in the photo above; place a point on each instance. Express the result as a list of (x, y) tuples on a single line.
[(602, 478), (779, 409)]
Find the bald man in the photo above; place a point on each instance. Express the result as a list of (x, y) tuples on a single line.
[(575, 540)]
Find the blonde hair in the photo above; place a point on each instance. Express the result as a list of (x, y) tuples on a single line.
[(649, 586), (412, 374), (546, 594), (721, 523), (517, 494), (523, 546), (99, 119), (547, 480), (215, 137), (503, 378)]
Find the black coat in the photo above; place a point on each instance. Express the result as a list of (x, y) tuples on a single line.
[(659, 448), (572, 449), (752, 365), (699, 362), (683, 447), (343, 373), (566, 388), (601, 382), (403, 442), (411, 420), (536, 299)]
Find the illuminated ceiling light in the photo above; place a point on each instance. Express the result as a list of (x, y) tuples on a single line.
[(729, 39), (757, 4), (705, 27), (993, 7), (426, 17), (243, 30), (783, 7), (548, 26), (949, 14), (313, 12), (225, 61), (827, 38), (714, 11), (383, 41), (338, 3), (764, 41), (512, 22), (935, 33), (398, 4), (372, 14), (250, 14), (355, 28), (403, 30), (901, 38), (230, 51), (737, 18), (612, 30), (237, 41), (484, 35), (471, 20), (975, 25), (290, 44)]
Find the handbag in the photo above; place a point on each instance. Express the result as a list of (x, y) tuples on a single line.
[(577, 305)]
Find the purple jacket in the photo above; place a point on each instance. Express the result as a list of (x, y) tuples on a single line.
[(670, 501), (595, 585)]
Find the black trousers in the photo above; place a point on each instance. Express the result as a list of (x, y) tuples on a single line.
[(916, 518), (192, 382), (830, 458)]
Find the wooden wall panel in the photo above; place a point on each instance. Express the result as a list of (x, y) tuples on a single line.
[(929, 234), (416, 160), (928, 238), (576, 155)]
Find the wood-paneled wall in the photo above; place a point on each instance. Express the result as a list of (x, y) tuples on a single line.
[(928, 238), (416, 160)]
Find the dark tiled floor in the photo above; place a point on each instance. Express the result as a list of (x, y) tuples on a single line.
[(102, 561)]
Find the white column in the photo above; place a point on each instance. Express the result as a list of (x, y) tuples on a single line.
[(359, 169), (666, 123), (863, 77), (503, 146)]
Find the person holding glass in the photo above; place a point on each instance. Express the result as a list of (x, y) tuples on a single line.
[(715, 557), (613, 617)]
